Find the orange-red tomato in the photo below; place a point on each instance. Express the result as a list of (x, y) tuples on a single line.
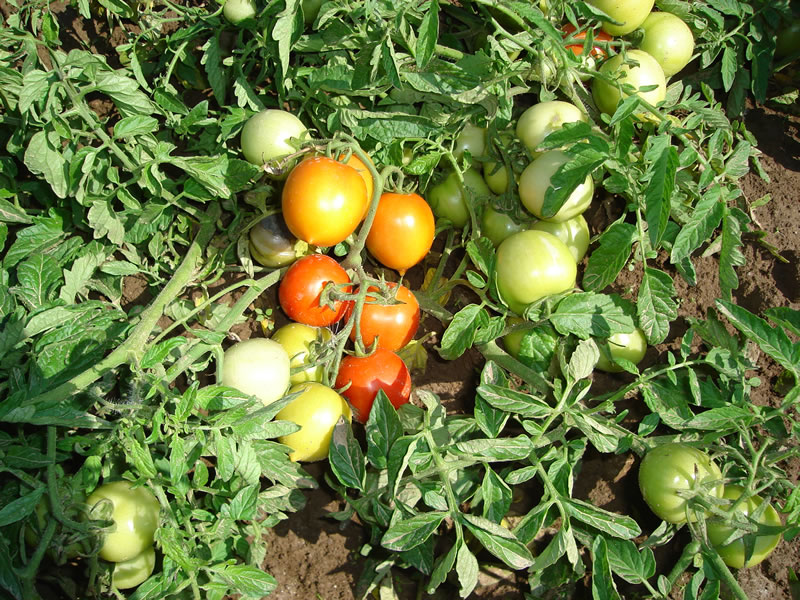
[(323, 201), (358, 164), (577, 49), (402, 232), (393, 324), (381, 370), (301, 287)]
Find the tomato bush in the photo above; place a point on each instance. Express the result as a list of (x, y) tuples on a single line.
[(365, 375), (393, 325), (402, 231), (302, 344), (257, 366), (300, 290)]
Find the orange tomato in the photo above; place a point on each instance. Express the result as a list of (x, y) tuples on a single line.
[(393, 324), (577, 49), (402, 232), (358, 164), (323, 201)]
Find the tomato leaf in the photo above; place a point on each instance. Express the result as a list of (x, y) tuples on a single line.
[(345, 456), (499, 541), (409, 533), (513, 401), (603, 587), (656, 304), (496, 496), (592, 315), (428, 35), (467, 569), (607, 260), (383, 428), (245, 579), (660, 177), (460, 333), (501, 449), (613, 524), (730, 256)]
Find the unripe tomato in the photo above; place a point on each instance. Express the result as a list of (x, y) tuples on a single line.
[(631, 13), (258, 367), (130, 573), (734, 553), (669, 40), (573, 232), (237, 11), (498, 226), (316, 410), (298, 340), (381, 370), (134, 512), (496, 176), (630, 346), (393, 324), (402, 232), (272, 244), (323, 201), (265, 136), (648, 72), (788, 40), (535, 180), (542, 119), (301, 288), (447, 200), (310, 10), (668, 469), (532, 265), (471, 139)]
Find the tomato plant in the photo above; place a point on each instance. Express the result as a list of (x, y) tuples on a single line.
[(266, 135), (316, 410), (536, 179), (323, 201), (301, 289), (365, 375), (542, 119), (302, 344), (237, 11), (258, 367), (734, 552), (449, 202), (272, 244), (532, 265), (135, 513), (393, 325), (497, 226), (402, 231), (628, 346), (644, 73), (629, 13), (669, 40), (130, 573), (671, 468)]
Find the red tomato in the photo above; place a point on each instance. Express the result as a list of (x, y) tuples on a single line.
[(382, 370), (577, 49), (402, 232), (393, 324), (323, 201), (301, 287)]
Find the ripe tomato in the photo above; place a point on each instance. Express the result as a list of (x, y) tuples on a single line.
[(471, 139), (393, 324), (258, 367), (542, 119), (130, 573), (447, 200), (265, 136), (356, 163), (402, 232), (272, 244), (734, 552), (237, 11), (498, 226), (300, 290), (532, 265), (381, 370), (630, 346), (535, 180), (323, 201), (647, 72), (669, 40), (302, 344), (573, 232), (135, 515), (577, 49), (631, 13), (667, 469), (316, 410)]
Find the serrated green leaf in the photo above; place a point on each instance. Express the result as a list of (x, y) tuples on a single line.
[(607, 260), (345, 456), (38, 276), (42, 158), (428, 35), (467, 570), (660, 176), (656, 305), (592, 315), (499, 541), (619, 526), (460, 333), (730, 255), (628, 562), (383, 428), (513, 401), (705, 219), (503, 449), (603, 587), (409, 533)]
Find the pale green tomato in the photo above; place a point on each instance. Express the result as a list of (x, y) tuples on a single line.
[(630, 346), (496, 176), (130, 573), (631, 13), (134, 512), (298, 339), (473, 139), (532, 265), (573, 232), (258, 367), (669, 40), (540, 120), (646, 73), (447, 200), (237, 11), (535, 180), (498, 226), (265, 136), (316, 410)]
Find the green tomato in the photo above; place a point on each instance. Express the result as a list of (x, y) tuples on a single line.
[(258, 367), (630, 13), (788, 40), (542, 119), (273, 245), (669, 40), (573, 232), (539, 352), (134, 512), (316, 410), (532, 265), (496, 176), (266, 135), (668, 469), (471, 139), (130, 573), (647, 72), (301, 343), (629, 346), (535, 180), (237, 11), (497, 226), (734, 553), (447, 200)]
